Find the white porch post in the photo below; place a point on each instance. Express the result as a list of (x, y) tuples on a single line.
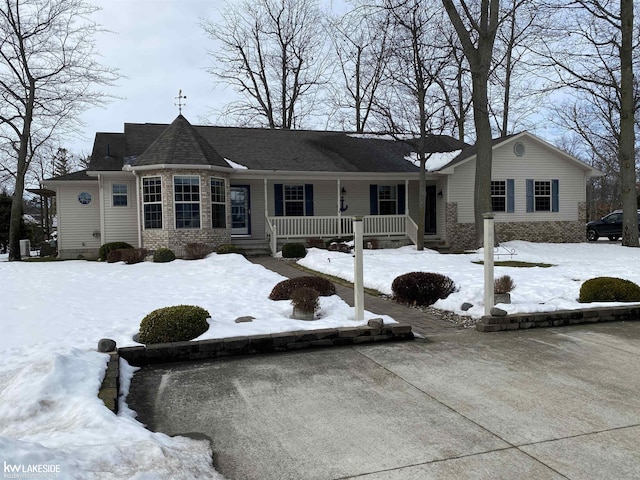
[(266, 200), (339, 212), (488, 262), (358, 287)]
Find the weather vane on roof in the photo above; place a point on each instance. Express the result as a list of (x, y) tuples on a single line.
[(180, 97)]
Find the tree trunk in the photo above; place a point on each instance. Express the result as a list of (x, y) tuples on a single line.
[(482, 194), (626, 152)]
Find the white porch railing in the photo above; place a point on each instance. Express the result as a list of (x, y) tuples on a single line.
[(298, 227), (272, 236), (412, 230)]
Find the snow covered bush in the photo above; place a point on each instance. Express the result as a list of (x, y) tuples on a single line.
[(284, 289), (294, 250), (609, 289), (421, 288), (127, 255), (164, 255), (103, 253), (173, 324)]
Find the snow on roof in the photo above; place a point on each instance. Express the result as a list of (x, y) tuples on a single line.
[(233, 164), (379, 136), (435, 161)]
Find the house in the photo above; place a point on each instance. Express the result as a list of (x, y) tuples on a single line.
[(158, 185)]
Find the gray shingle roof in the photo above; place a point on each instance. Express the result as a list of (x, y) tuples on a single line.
[(180, 144), (263, 149)]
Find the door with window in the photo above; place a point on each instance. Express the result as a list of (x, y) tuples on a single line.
[(240, 210)]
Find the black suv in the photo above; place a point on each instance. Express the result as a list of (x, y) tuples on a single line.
[(608, 226)]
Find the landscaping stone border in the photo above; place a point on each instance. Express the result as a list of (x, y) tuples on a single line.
[(110, 388), (558, 318), (279, 342)]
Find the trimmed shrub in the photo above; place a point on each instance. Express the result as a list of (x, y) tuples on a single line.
[(127, 255), (503, 284), (173, 324), (163, 255), (103, 253), (294, 250), (284, 289), (196, 251), (133, 255), (422, 288), (305, 299), (609, 289), (315, 242), (227, 248)]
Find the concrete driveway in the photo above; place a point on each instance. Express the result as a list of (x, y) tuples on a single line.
[(535, 404)]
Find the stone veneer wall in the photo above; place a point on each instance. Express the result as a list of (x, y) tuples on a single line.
[(461, 236), (176, 239)]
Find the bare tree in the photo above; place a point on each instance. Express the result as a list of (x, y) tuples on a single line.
[(598, 67), (272, 52), (361, 43), (476, 25), (414, 105), (516, 90), (47, 70)]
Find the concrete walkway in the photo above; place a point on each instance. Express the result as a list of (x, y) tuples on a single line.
[(423, 324)]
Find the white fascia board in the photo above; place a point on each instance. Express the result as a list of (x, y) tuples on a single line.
[(276, 174), (169, 166)]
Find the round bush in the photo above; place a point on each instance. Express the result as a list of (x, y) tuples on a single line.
[(103, 253), (421, 288), (609, 289), (284, 289), (173, 324), (294, 250), (163, 255)]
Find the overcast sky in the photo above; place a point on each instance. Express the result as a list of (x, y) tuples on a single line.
[(159, 48)]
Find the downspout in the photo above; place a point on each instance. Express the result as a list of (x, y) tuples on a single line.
[(339, 212), (138, 207), (102, 212)]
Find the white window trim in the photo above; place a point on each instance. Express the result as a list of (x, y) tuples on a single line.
[(128, 194), (224, 202), (505, 196), (285, 201), (173, 190), (395, 187), (550, 196), (144, 220)]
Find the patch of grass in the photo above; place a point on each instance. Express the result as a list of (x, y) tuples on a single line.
[(339, 281), (517, 264)]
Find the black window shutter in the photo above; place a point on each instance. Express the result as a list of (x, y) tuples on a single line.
[(279, 200), (555, 200), (401, 199), (373, 199), (308, 199)]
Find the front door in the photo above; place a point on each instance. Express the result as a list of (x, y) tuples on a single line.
[(240, 210), (430, 211)]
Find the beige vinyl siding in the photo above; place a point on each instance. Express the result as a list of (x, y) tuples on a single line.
[(537, 163), (121, 223), (76, 222)]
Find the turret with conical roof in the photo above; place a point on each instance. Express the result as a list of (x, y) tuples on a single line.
[(180, 144)]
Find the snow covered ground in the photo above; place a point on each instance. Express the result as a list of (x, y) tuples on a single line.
[(537, 289), (53, 314)]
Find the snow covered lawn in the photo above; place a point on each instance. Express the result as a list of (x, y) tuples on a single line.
[(537, 289), (53, 314)]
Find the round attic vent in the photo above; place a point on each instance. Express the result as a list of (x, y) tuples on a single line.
[(518, 149)]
